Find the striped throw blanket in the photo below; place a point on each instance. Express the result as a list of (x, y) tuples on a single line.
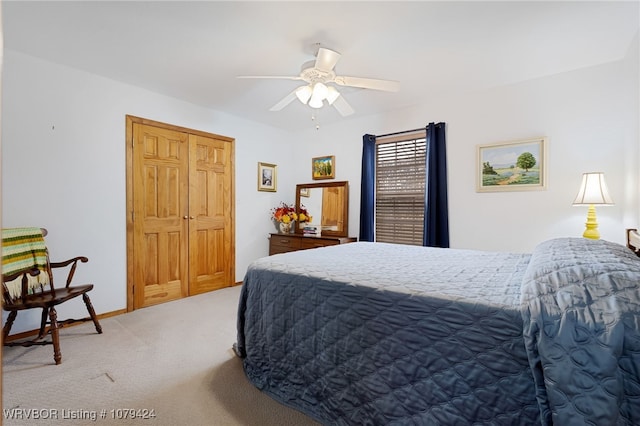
[(24, 249)]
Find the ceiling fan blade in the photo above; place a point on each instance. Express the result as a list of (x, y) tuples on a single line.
[(368, 83), (282, 77), (326, 59), (342, 106), (284, 102)]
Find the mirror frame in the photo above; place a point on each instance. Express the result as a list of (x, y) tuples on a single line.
[(345, 208)]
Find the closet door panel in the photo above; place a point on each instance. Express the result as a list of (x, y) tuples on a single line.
[(160, 204), (211, 224)]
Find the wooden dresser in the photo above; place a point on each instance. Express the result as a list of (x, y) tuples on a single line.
[(282, 243)]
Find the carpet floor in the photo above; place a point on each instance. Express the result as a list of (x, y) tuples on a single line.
[(170, 364)]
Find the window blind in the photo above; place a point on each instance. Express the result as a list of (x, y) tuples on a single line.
[(400, 190)]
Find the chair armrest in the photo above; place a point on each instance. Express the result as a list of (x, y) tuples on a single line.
[(73, 262), (69, 262)]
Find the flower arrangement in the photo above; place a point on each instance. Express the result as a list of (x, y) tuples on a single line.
[(285, 213)]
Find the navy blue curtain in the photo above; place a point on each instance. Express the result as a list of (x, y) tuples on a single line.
[(367, 188), (436, 210)]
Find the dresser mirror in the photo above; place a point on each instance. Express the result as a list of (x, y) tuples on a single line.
[(328, 205)]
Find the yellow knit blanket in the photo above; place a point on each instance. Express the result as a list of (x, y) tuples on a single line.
[(24, 249)]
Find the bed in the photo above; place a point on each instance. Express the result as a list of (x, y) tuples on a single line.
[(374, 333)]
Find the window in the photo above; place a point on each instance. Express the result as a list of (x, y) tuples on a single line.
[(400, 188)]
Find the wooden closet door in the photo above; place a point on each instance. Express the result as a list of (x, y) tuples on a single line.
[(180, 204), (211, 226), (160, 209)]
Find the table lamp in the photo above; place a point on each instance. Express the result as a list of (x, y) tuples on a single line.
[(593, 191)]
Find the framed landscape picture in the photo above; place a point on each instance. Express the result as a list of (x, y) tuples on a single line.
[(512, 166), (267, 177), (323, 167)]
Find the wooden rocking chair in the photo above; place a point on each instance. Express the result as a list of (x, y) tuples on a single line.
[(27, 283)]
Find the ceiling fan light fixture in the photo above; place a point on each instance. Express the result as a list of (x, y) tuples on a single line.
[(304, 93), (332, 94), (317, 75)]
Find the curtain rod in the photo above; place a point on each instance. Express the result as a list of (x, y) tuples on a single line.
[(401, 133)]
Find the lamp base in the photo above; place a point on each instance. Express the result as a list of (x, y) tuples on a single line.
[(591, 232)]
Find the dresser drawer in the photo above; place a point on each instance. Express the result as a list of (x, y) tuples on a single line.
[(285, 241), (313, 242), (283, 244)]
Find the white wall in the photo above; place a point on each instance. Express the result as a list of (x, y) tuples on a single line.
[(633, 70), (63, 162), (64, 169), (590, 118)]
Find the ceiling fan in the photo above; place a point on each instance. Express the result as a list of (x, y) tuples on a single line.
[(318, 75)]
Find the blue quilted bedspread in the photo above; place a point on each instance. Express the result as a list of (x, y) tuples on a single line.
[(373, 333), (581, 311)]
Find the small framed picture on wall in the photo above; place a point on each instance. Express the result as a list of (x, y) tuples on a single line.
[(323, 167), (267, 177)]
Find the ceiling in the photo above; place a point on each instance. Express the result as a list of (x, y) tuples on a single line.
[(195, 50)]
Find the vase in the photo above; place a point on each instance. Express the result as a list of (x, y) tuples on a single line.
[(285, 228)]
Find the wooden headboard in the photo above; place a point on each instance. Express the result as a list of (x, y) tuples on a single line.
[(633, 240)]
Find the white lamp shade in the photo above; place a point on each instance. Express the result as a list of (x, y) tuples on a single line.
[(320, 91), (593, 190), (315, 102), (304, 93), (332, 95)]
